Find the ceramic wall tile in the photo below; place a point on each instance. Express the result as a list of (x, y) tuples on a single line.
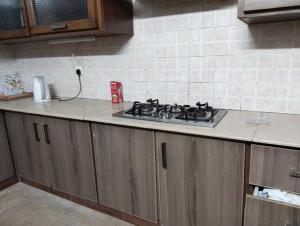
[(182, 51)]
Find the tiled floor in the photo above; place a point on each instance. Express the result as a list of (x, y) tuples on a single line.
[(22, 205)]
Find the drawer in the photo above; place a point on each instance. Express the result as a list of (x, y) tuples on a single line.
[(275, 168), (263, 212)]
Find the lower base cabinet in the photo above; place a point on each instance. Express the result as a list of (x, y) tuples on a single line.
[(261, 212), (6, 165), (125, 168), (26, 141), (68, 146), (200, 180), (53, 152)]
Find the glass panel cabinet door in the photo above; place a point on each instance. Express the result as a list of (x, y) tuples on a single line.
[(51, 16), (13, 19)]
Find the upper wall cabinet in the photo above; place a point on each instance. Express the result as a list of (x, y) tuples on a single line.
[(260, 11), (52, 19), (50, 16), (13, 19)]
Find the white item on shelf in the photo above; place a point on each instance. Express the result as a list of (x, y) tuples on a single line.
[(278, 195), (41, 90)]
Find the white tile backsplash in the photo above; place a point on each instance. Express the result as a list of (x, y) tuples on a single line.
[(183, 51)]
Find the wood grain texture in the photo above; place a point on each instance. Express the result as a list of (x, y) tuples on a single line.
[(270, 167), (251, 5), (261, 212), (257, 11), (203, 182), (125, 167), (72, 25), (28, 153), (15, 97), (9, 182), (70, 157), (23, 31), (6, 165), (118, 16)]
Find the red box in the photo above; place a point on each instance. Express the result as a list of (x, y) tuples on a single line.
[(116, 92)]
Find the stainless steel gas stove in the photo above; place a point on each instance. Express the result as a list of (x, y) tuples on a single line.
[(199, 115)]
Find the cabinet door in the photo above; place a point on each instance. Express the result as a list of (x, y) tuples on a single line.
[(27, 147), (13, 19), (69, 150), (125, 167), (200, 181), (252, 5), (6, 165), (260, 212), (51, 16)]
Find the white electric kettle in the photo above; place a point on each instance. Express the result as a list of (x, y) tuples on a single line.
[(41, 90)]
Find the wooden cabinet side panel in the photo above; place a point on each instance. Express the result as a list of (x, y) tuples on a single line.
[(70, 157), (203, 182), (6, 165), (125, 166), (118, 16), (29, 155)]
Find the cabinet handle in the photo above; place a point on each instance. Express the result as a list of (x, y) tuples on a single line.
[(294, 173), (46, 134), (36, 133), (288, 225), (164, 155), (32, 12), (59, 27), (22, 17)]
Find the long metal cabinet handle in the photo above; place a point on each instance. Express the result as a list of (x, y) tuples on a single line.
[(22, 17), (294, 173), (59, 27), (46, 134), (36, 133), (33, 12), (288, 225), (164, 155)]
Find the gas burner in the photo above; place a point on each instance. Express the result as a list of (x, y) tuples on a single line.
[(202, 114), (151, 108)]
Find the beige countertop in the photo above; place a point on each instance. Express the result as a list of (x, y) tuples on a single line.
[(233, 126), (283, 130)]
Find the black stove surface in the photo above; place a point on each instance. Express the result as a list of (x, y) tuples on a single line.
[(202, 114)]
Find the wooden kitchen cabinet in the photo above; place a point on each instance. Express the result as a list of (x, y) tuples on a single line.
[(50, 16), (55, 19), (69, 149), (275, 167), (200, 181), (257, 11), (263, 212), (13, 19), (26, 141), (6, 164), (125, 168), (53, 152)]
